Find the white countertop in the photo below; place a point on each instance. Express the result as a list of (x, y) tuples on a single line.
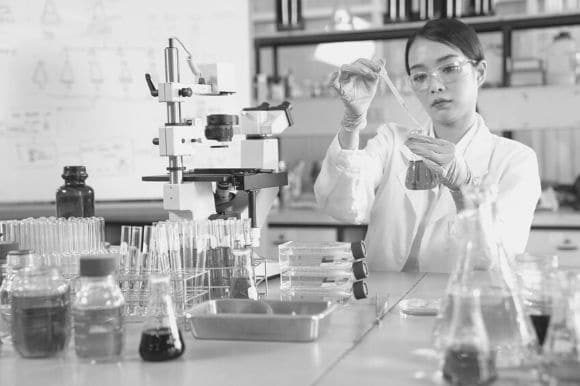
[(213, 362)]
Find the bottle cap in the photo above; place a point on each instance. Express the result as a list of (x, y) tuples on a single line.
[(74, 172), (359, 250), (5, 247), (98, 265), (360, 269), (360, 289)]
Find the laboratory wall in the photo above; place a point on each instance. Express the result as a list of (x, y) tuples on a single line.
[(553, 131), (72, 72)]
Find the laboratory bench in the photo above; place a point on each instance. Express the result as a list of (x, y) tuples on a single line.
[(357, 349)]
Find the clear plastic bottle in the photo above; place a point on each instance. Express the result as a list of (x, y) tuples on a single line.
[(98, 310), (161, 338), (75, 198), (468, 357), (483, 265), (41, 319), (16, 260)]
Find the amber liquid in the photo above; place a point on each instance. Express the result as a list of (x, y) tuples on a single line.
[(160, 345), (463, 366), (420, 177), (541, 323), (40, 325)]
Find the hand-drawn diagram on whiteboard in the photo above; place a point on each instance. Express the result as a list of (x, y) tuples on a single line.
[(75, 70)]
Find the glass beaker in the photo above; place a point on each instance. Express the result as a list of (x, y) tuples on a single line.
[(161, 339), (537, 278), (483, 265), (41, 312), (468, 357), (561, 358)]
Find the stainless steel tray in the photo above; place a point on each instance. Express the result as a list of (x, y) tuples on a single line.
[(274, 320)]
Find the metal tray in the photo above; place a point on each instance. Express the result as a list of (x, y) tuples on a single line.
[(272, 320)]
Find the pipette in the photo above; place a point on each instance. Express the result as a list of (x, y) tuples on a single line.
[(398, 96)]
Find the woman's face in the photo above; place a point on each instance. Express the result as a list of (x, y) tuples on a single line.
[(444, 80)]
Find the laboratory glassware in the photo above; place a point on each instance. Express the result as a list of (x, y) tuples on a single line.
[(419, 176), (16, 261), (468, 357), (161, 338), (483, 264), (75, 198), (98, 310), (538, 282), (5, 248), (561, 351), (243, 285), (41, 318)]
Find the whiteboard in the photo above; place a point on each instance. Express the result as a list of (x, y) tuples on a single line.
[(72, 75)]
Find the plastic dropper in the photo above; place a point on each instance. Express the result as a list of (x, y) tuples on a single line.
[(398, 96)]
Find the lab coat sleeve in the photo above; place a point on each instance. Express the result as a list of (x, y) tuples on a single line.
[(348, 179), (518, 194)]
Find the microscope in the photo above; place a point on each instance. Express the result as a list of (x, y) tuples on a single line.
[(251, 179)]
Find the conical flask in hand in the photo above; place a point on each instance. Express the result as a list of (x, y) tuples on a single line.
[(483, 265), (161, 339)]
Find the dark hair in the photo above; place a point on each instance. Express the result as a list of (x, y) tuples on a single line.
[(451, 32)]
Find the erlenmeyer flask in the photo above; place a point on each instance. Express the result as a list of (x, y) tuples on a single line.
[(483, 265), (161, 339), (419, 176), (562, 347), (243, 285), (468, 358)]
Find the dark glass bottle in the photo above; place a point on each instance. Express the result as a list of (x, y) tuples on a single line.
[(75, 198)]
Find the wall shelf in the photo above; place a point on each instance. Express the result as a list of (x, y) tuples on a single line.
[(504, 24)]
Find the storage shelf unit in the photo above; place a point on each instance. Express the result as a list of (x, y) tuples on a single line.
[(504, 24)]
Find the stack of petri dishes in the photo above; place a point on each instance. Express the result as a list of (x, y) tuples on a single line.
[(329, 271)]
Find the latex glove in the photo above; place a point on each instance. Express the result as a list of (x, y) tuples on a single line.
[(356, 83), (439, 155)]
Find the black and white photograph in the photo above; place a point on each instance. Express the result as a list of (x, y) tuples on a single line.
[(290, 192)]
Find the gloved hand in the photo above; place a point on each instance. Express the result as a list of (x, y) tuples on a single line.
[(439, 155), (356, 83)]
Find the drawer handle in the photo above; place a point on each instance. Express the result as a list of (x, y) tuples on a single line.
[(567, 246)]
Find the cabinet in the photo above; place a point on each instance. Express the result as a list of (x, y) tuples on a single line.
[(563, 243), (506, 25)]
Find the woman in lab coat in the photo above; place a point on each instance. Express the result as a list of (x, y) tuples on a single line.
[(414, 229)]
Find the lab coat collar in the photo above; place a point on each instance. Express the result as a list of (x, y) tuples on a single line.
[(477, 147)]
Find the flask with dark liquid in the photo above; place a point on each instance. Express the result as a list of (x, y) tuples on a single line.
[(420, 177), (538, 282), (468, 357), (483, 264), (161, 339)]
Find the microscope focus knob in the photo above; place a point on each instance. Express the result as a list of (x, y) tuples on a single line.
[(185, 92), (156, 141)]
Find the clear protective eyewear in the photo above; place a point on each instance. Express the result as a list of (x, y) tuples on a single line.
[(447, 73)]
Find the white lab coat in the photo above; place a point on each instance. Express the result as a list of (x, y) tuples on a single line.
[(368, 186)]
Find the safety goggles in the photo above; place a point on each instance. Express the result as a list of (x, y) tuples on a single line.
[(446, 73)]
